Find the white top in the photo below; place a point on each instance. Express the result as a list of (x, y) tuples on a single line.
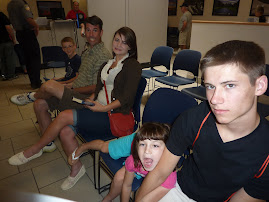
[(109, 77)]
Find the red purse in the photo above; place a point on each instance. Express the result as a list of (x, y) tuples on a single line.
[(120, 124)]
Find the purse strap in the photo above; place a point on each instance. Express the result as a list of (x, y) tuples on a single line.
[(107, 100)]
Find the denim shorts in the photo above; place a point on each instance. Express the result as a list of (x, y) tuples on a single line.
[(91, 125)]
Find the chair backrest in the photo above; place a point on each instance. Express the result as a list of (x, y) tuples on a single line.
[(52, 53), (137, 102), (267, 74), (162, 56), (165, 105), (188, 60)]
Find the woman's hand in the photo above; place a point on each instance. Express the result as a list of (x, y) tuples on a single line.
[(97, 106)]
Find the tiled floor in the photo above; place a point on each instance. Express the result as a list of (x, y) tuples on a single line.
[(44, 175)]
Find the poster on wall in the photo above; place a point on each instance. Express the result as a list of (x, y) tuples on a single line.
[(172, 7), (225, 7), (196, 7), (256, 3)]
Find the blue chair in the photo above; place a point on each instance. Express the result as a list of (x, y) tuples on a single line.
[(185, 60), (164, 106), (160, 56), (196, 92), (137, 102), (136, 110), (53, 56)]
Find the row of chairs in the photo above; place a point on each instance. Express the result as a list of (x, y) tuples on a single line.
[(163, 106), (187, 60), (53, 57)]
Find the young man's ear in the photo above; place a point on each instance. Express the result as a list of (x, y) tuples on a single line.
[(261, 85)]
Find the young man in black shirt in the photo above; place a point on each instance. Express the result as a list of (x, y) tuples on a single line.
[(228, 137)]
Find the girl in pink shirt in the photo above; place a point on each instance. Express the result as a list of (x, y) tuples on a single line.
[(147, 149)]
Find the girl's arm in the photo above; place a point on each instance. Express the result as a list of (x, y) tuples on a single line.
[(98, 145), (156, 194), (127, 186)]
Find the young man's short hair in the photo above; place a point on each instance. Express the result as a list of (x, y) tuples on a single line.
[(249, 57), (94, 20), (67, 39)]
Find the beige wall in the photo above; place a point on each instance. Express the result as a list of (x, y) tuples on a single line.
[(242, 16), (32, 3)]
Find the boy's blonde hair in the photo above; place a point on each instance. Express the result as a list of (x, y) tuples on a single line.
[(67, 39)]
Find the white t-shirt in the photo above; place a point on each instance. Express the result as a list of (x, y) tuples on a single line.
[(109, 77)]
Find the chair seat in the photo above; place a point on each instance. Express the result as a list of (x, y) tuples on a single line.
[(115, 165), (152, 73), (196, 92), (175, 81), (56, 64)]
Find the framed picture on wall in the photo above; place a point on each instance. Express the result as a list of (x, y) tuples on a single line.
[(255, 3), (172, 7), (225, 7), (196, 7)]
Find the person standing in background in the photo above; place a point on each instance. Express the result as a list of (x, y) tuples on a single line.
[(21, 17), (259, 13), (7, 53), (184, 27), (75, 13)]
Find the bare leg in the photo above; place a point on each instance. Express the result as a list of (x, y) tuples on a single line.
[(98, 145), (43, 116), (70, 143), (63, 119), (49, 89), (116, 185)]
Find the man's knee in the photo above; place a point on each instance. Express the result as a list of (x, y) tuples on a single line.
[(50, 86)]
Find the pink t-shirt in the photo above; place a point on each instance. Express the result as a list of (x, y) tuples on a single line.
[(169, 183)]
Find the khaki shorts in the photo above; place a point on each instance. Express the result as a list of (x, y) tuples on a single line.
[(184, 39), (175, 195), (66, 101)]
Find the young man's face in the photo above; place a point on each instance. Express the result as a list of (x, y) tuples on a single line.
[(93, 34), (231, 96), (69, 48)]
